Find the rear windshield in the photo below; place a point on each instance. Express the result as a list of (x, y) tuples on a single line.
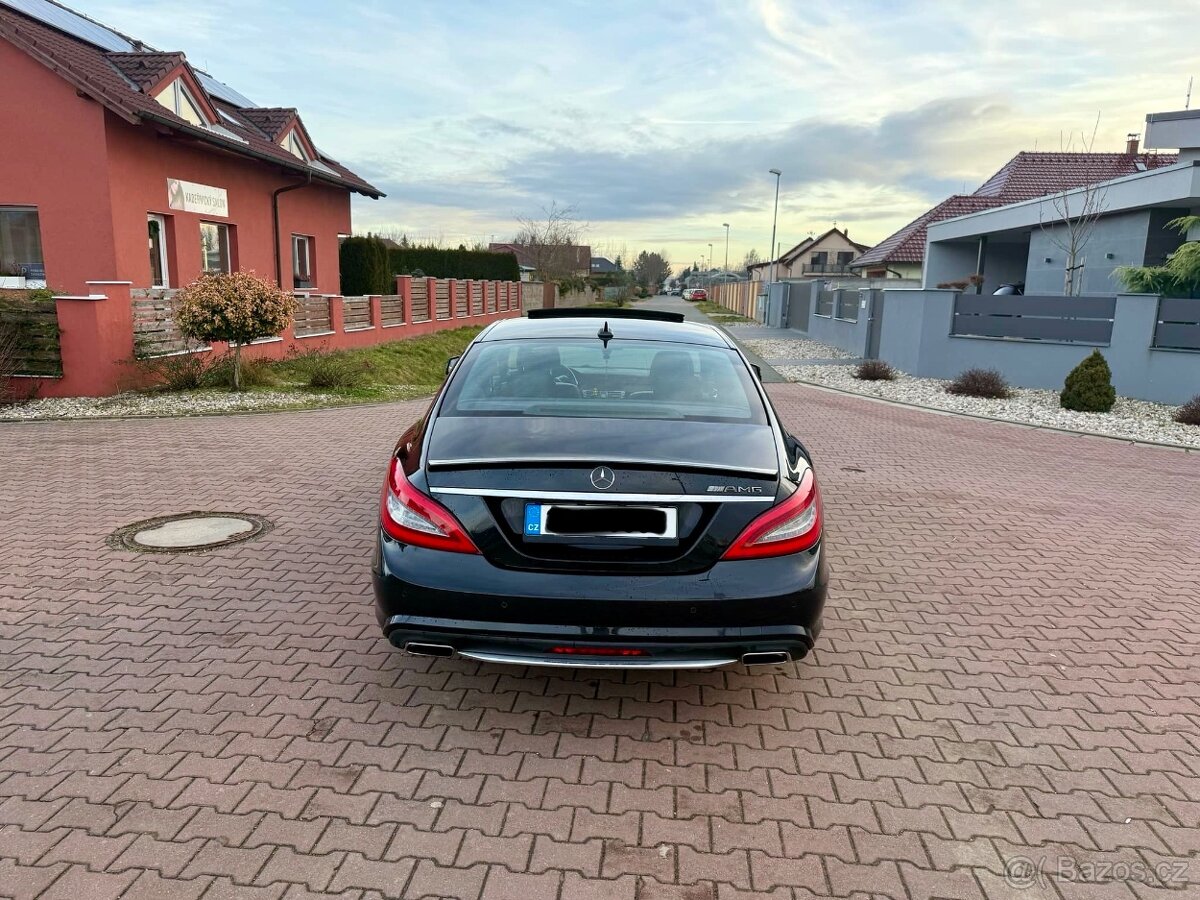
[(580, 377)]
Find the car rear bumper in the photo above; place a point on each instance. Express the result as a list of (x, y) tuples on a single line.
[(458, 604)]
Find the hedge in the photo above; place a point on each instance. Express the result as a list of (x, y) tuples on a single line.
[(435, 262), (364, 266)]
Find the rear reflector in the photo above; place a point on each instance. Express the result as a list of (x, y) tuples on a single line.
[(598, 651)]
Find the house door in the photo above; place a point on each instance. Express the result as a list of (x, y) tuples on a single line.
[(157, 228)]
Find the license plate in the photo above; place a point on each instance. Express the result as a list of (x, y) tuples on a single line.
[(547, 520)]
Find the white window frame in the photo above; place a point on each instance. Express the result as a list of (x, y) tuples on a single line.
[(179, 95), (222, 228), (307, 242), (164, 266), (292, 144)]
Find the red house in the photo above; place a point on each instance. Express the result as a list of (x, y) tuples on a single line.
[(130, 165)]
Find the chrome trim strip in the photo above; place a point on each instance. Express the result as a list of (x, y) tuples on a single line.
[(604, 495), (672, 464), (595, 662)]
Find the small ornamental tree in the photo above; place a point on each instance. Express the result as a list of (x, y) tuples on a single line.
[(1088, 387), (238, 307)]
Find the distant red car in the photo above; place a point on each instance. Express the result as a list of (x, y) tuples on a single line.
[(696, 294)]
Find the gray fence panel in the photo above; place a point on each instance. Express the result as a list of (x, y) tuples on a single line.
[(1034, 305), (1086, 331), (847, 305), (1179, 309), (1176, 336), (825, 303)]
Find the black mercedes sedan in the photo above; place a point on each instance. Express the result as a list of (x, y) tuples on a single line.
[(603, 489)]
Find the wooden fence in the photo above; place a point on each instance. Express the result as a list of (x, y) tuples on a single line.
[(30, 323)]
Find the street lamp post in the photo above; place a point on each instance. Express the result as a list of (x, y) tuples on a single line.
[(710, 257), (774, 222), (726, 226)]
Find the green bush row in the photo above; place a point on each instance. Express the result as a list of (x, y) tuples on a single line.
[(370, 267)]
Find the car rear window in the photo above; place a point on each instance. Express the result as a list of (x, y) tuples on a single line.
[(626, 380)]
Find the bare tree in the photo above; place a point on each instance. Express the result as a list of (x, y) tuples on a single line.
[(1076, 210), (551, 243)]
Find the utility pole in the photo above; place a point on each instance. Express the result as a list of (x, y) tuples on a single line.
[(726, 225)]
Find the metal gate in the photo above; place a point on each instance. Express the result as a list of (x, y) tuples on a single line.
[(875, 324)]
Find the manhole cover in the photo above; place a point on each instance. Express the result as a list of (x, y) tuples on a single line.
[(189, 532)]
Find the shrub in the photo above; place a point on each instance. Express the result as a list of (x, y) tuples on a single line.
[(874, 370), (330, 370), (178, 371), (253, 372), (987, 383), (1189, 413), (238, 307), (1088, 387)]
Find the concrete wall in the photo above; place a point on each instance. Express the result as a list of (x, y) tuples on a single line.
[(1123, 236), (916, 339), (849, 336)]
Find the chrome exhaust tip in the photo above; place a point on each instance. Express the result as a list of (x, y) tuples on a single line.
[(415, 649), (767, 658)]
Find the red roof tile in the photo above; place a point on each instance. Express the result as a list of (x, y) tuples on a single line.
[(270, 120), (97, 74), (146, 70), (1024, 177)]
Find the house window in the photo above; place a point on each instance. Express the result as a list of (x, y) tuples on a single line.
[(179, 100), (214, 247), (160, 275), (845, 257), (302, 261), (819, 259), (21, 244), (293, 145)]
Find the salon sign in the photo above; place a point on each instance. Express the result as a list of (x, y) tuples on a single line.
[(187, 196)]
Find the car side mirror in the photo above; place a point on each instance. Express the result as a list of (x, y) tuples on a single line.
[(451, 363), (757, 369)]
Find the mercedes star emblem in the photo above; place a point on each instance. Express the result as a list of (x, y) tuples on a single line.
[(603, 478)]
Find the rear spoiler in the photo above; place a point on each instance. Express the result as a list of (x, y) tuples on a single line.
[(583, 312)]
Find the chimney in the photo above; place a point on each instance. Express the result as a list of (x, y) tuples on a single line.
[(1131, 143)]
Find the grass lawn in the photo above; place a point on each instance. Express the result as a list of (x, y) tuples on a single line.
[(720, 313), (398, 370)]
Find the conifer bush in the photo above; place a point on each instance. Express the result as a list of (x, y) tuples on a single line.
[(1088, 387)]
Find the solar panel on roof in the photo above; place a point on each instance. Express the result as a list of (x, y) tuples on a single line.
[(222, 91), (72, 23)]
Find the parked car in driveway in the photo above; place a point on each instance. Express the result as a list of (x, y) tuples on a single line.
[(601, 491), (697, 294), (686, 293)]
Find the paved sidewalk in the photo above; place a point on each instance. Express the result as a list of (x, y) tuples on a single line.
[(1008, 673)]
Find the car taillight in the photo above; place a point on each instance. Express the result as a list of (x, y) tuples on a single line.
[(412, 517), (792, 526)]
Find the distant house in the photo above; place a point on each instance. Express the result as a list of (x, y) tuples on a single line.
[(1023, 241), (602, 265), (831, 253), (558, 261), (1024, 177)]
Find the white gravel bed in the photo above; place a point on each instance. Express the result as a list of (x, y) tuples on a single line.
[(795, 348), (184, 403), (1138, 420)]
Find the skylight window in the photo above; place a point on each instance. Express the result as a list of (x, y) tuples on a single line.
[(179, 100), (292, 144)]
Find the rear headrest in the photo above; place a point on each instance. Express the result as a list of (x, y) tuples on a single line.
[(671, 364), (538, 356)]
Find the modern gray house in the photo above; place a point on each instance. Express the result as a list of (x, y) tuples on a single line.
[(1023, 242), (1151, 343)]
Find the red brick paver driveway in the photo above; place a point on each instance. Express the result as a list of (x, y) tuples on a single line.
[(1009, 672)]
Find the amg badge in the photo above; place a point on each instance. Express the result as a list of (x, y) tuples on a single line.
[(733, 489)]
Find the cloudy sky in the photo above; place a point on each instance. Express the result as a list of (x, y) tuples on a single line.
[(657, 120)]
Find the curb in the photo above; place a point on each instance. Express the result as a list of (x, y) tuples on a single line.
[(1184, 448)]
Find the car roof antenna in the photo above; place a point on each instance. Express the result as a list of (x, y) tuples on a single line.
[(605, 335)]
